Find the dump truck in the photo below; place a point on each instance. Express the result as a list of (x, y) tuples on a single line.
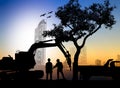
[(109, 69)]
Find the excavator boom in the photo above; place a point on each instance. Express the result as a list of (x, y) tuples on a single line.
[(40, 45), (44, 44)]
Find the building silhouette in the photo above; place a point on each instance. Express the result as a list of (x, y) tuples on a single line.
[(40, 52), (98, 62), (118, 59)]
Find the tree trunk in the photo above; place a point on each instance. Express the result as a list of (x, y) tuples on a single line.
[(75, 64)]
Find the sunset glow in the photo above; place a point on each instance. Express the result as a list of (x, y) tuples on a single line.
[(19, 20)]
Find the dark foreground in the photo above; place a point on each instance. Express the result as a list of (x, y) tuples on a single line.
[(61, 83)]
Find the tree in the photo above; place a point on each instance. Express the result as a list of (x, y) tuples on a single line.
[(78, 24)]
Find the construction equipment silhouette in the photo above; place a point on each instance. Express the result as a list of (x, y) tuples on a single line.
[(24, 60)]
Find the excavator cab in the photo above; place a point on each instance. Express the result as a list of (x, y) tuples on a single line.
[(24, 60)]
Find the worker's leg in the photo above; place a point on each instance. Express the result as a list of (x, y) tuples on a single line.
[(58, 75), (46, 76), (62, 74), (51, 76)]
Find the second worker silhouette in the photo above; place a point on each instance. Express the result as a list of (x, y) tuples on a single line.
[(59, 66)]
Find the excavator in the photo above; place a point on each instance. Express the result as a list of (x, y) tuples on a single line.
[(24, 61)]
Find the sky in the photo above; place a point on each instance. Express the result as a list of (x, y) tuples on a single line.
[(19, 18)]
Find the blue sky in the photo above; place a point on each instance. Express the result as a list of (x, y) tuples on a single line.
[(19, 18)]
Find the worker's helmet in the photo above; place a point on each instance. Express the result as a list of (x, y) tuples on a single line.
[(48, 59), (57, 60)]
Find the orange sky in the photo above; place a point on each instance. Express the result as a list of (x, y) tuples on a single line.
[(102, 45)]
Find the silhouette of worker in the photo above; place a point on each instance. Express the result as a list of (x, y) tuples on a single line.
[(49, 67), (59, 66)]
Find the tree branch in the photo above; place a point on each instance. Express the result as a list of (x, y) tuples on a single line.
[(75, 42), (70, 27), (84, 41)]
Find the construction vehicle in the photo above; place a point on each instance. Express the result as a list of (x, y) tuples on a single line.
[(19, 68), (109, 69)]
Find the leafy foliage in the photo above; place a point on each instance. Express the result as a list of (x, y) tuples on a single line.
[(81, 22)]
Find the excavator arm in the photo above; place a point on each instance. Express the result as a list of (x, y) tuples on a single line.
[(40, 45), (43, 44), (25, 60), (66, 54)]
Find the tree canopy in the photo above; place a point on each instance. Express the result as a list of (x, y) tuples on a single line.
[(77, 22)]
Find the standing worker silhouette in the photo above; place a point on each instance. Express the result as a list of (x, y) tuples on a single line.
[(49, 67), (59, 66)]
